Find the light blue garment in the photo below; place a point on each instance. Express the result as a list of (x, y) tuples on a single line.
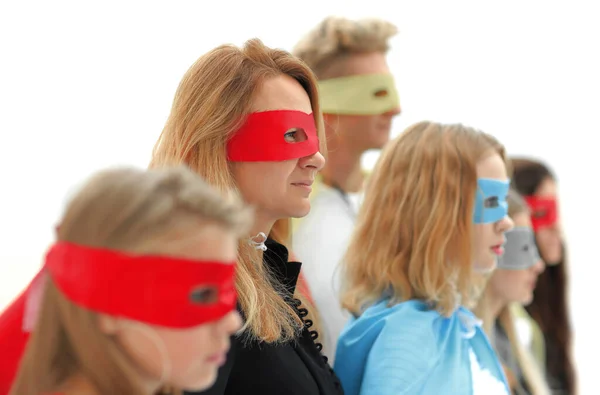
[(410, 349)]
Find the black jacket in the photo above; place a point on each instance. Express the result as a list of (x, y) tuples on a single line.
[(295, 368)]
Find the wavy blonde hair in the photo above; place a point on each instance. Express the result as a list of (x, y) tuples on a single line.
[(531, 370), (212, 101), (126, 210), (414, 232), (336, 38)]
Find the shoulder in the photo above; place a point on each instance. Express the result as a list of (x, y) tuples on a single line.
[(412, 322), (399, 347)]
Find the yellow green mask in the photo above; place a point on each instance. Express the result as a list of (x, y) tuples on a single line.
[(368, 94)]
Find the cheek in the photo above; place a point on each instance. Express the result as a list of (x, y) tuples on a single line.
[(548, 240), (257, 181), (145, 346), (483, 236), (372, 123), (509, 283), (188, 345), (354, 127), (548, 236)]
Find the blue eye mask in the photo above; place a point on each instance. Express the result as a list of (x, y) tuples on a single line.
[(490, 200), (520, 251)]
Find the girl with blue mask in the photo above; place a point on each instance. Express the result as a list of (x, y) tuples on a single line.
[(513, 284), (433, 219)]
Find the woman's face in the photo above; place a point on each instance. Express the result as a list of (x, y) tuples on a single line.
[(549, 238), (185, 358), (516, 285), (488, 236), (280, 189)]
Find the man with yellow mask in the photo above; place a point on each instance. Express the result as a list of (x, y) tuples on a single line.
[(358, 98)]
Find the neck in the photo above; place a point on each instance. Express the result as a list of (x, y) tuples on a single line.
[(343, 169), (262, 223), (80, 385), (494, 306)]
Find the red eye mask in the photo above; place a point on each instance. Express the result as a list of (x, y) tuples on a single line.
[(544, 211), (273, 136), (165, 291)]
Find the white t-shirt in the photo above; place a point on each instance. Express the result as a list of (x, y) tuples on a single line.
[(320, 241), (484, 382)]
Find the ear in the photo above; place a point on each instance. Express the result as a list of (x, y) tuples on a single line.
[(109, 325)]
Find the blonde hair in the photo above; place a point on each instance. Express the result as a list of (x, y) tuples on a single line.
[(413, 236), (336, 38), (531, 371), (125, 210), (212, 101)]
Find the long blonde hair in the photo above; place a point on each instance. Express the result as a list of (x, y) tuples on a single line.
[(531, 371), (414, 230), (120, 209), (211, 103)]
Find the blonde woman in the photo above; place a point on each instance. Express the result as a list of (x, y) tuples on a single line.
[(249, 118), (433, 220), (514, 282), (137, 291)]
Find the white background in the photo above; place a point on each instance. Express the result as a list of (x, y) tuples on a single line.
[(84, 85)]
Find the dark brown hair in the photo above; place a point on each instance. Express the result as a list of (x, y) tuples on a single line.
[(549, 307)]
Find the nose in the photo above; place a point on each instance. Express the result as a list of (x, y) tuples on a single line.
[(539, 267), (231, 322), (394, 111), (315, 161), (505, 224)]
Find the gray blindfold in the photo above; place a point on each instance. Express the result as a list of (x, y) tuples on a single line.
[(520, 251)]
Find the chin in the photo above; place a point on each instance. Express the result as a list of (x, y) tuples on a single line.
[(553, 259), (525, 301), (486, 265), (380, 144), (299, 212), (200, 382)]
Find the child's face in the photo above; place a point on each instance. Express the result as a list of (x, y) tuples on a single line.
[(517, 285), (488, 236), (184, 358)]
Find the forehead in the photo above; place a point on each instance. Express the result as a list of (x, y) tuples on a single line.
[(492, 166), (197, 240), (522, 219), (364, 63), (547, 188), (281, 93)]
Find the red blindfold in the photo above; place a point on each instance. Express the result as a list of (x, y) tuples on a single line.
[(165, 291), (272, 136), (544, 211)]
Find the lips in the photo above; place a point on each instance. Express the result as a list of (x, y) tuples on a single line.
[(498, 249), (303, 183)]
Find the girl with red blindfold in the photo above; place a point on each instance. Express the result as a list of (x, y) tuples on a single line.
[(249, 118), (137, 294), (551, 326)]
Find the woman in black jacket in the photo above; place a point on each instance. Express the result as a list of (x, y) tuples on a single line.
[(248, 119)]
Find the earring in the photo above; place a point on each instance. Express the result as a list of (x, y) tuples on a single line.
[(259, 245)]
